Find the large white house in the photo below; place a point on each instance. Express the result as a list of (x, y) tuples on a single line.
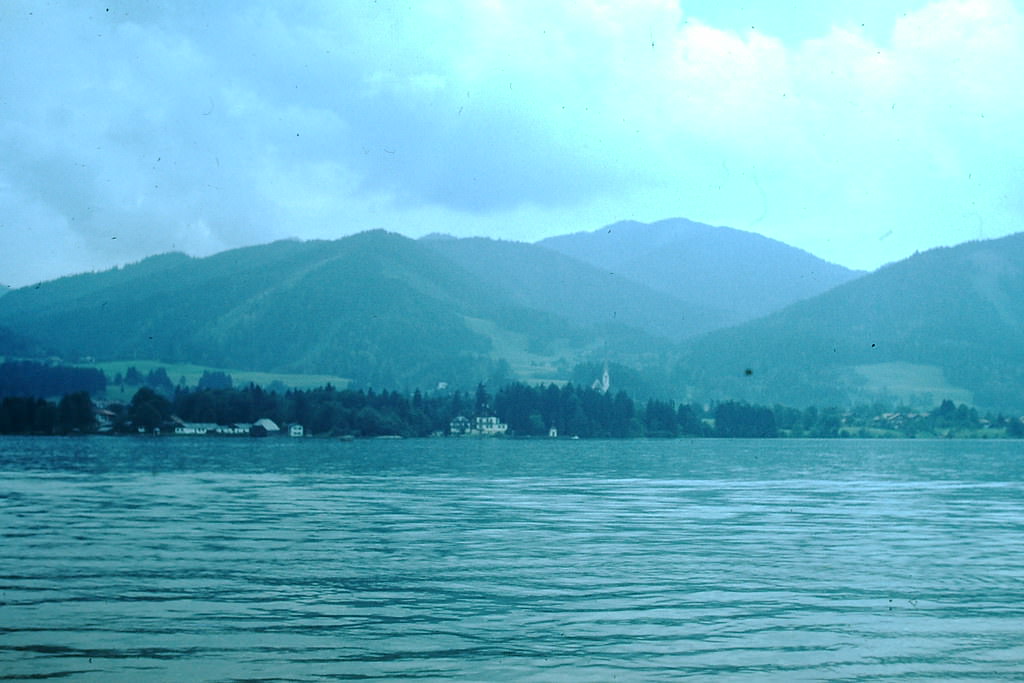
[(489, 426), (479, 426)]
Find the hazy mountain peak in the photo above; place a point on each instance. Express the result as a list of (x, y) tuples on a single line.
[(578, 291), (744, 273)]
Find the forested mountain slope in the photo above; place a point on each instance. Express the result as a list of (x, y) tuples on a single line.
[(377, 307), (956, 312), (388, 311)]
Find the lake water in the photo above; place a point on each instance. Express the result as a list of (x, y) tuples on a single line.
[(139, 559)]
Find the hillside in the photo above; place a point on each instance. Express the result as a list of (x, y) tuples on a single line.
[(740, 274), (386, 311), (376, 307), (581, 293), (948, 321)]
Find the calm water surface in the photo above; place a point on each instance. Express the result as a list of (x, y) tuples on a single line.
[(301, 560)]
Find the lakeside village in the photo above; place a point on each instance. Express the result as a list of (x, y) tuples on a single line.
[(214, 407), (460, 426)]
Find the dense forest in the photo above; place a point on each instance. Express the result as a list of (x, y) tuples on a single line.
[(26, 378)]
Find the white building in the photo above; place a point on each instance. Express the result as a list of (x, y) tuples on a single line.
[(194, 428), (489, 426), (236, 429), (460, 425), (479, 426)]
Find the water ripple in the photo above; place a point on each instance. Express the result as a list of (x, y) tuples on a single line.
[(439, 560)]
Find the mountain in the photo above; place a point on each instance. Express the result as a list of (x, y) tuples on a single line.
[(583, 294), (388, 311), (377, 307), (740, 274), (944, 323)]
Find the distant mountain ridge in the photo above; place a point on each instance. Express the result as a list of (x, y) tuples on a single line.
[(740, 274), (579, 292), (388, 311)]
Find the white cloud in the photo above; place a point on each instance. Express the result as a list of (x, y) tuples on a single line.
[(202, 127)]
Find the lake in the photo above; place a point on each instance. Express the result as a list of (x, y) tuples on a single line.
[(217, 559)]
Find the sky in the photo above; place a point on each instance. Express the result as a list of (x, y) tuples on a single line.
[(861, 131)]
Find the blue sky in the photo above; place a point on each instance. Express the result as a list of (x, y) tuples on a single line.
[(859, 131)]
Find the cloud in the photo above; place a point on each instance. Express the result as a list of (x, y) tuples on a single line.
[(201, 127)]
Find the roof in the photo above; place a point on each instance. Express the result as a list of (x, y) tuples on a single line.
[(267, 424)]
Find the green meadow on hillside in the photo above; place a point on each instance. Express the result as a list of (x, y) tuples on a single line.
[(192, 373)]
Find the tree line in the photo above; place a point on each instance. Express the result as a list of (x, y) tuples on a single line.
[(528, 410), (74, 413), (28, 378), (568, 410)]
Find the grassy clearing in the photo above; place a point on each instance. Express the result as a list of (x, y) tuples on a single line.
[(513, 347), (909, 383), (192, 373)]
